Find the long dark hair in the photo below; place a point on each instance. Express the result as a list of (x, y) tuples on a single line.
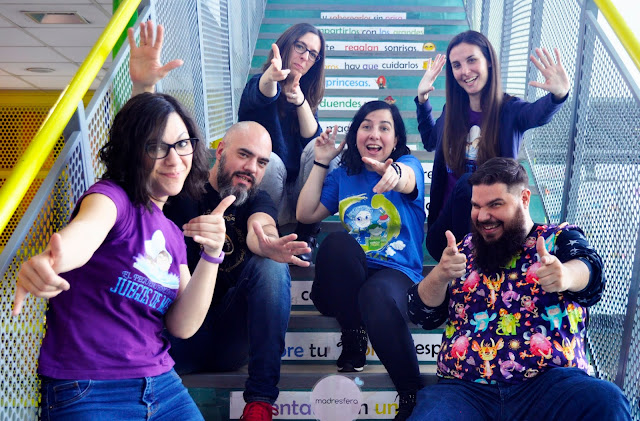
[(351, 158), (312, 83), (454, 138), (143, 119)]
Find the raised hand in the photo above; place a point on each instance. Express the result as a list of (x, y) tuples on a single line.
[(556, 79), (284, 249), (453, 264), (552, 274), (209, 230), (390, 176), (39, 277), (275, 73), (325, 145), (293, 92), (434, 67), (145, 68)]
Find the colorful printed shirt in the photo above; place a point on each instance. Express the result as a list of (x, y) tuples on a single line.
[(503, 327), (109, 324), (389, 226)]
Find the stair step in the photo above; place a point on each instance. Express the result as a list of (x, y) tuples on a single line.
[(262, 54), (461, 23), (301, 377), (364, 7), (328, 36)]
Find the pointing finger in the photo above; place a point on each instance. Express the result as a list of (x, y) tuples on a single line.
[(18, 300)]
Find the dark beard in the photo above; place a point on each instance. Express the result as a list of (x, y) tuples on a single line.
[(226, 187), (490, 256)]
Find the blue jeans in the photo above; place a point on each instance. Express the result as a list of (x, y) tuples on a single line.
[(249, 323), (161, 397), (557, 394)]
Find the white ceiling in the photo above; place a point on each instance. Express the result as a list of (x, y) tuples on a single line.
[(25, 43)]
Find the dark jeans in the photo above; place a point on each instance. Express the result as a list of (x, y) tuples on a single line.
[(161, 397), (346, 289), (250, 323), (558, 394), (455, 216)]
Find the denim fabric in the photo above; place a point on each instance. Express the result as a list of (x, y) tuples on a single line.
[(557, 394), (156, 398), (249, 324)]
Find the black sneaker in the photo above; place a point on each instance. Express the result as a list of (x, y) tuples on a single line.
[(407, 401), (354, 349), (312, 243)]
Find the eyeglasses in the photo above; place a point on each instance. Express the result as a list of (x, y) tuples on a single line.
[(159, 150), (301, 48)]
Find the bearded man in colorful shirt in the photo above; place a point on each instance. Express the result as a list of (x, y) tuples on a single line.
[(519, 351)]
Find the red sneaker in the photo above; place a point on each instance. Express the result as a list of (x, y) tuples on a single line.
[(258, 411)]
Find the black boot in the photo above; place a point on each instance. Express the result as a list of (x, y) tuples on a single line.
[(308, 233), (354, 350), (407, 401)]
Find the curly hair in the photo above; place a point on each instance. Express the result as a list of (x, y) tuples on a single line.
[(351, 158), (143, 119)]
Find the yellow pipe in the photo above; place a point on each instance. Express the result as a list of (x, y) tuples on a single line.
[(622, 30), (28, 165)]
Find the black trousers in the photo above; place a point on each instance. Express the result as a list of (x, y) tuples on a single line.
[(345, 288)]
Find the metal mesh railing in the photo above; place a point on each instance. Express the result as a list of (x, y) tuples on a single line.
[(586, 162), (209, 100), (22, 335)]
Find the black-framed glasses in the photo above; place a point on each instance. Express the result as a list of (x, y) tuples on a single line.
[(183, 147), (301, 48)]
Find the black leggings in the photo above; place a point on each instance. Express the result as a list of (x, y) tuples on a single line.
[(346, 289)]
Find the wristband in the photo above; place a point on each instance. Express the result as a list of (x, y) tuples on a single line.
[(212, 259), (326, 167), (397, 169), (303, 100)]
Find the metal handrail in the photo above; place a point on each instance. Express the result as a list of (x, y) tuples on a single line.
[(29, 164), (621, 29)]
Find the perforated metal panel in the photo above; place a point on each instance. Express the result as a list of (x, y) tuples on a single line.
[(245, 17), (557, 26), (180, 20), (605, 200), (22, 335), (18, 125)]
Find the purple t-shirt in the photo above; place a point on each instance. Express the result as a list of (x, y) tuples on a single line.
[(475, 120), (109, 324)]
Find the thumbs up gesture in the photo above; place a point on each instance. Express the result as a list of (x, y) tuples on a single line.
[(552, 274), (210, 230), (453, 264), (39, 277)]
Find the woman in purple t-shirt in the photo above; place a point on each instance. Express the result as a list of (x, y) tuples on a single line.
[(117, 274), (479, 122)]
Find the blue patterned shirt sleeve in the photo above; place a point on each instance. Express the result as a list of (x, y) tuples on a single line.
[(427, 317)]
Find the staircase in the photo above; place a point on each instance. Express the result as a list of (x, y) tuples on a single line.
[(374, 50)]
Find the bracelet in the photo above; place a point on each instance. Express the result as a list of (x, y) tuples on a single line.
[(397, 168), (303, 100), (212, 259), (326, 167)]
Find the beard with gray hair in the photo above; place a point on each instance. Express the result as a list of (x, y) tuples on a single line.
[(226, 187)]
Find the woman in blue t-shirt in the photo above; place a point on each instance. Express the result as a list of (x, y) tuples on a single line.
[(479, 122), (363, 273), (117, 274)]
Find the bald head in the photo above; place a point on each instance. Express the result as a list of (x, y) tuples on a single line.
[(243, 152), (248, 130)]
